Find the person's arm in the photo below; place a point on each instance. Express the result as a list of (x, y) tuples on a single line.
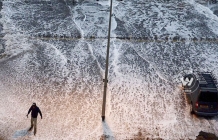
[(29, 111), (40, 113)]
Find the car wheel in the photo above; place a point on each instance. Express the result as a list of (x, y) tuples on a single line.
[(191, 109)]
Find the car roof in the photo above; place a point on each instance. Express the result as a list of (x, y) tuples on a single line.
[(208, 90), (207, 82)]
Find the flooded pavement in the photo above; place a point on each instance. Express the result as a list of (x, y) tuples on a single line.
[(54, 54)]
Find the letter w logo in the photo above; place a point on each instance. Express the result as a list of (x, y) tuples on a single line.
[(187, 81)]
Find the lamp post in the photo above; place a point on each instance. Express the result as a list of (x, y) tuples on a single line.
[(106, 69)]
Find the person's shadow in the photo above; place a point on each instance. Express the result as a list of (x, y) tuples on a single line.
[(21, 133)]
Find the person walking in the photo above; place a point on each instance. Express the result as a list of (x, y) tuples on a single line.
[(35, 110)]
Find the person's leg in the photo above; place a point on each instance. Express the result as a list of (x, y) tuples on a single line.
[(35, 125), (31, 124)]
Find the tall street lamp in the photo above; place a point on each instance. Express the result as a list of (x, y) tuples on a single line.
[(107, 60)]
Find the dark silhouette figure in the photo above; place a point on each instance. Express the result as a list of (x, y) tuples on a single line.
[(34, 113)]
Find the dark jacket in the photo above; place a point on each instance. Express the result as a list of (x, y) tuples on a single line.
[(35, 110)]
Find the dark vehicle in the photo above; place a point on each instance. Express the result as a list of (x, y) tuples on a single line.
[(202, 94)]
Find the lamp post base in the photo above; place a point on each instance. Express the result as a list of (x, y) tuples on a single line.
[(103, 117)]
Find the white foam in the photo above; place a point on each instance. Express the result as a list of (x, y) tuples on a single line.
[(70, 93)]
